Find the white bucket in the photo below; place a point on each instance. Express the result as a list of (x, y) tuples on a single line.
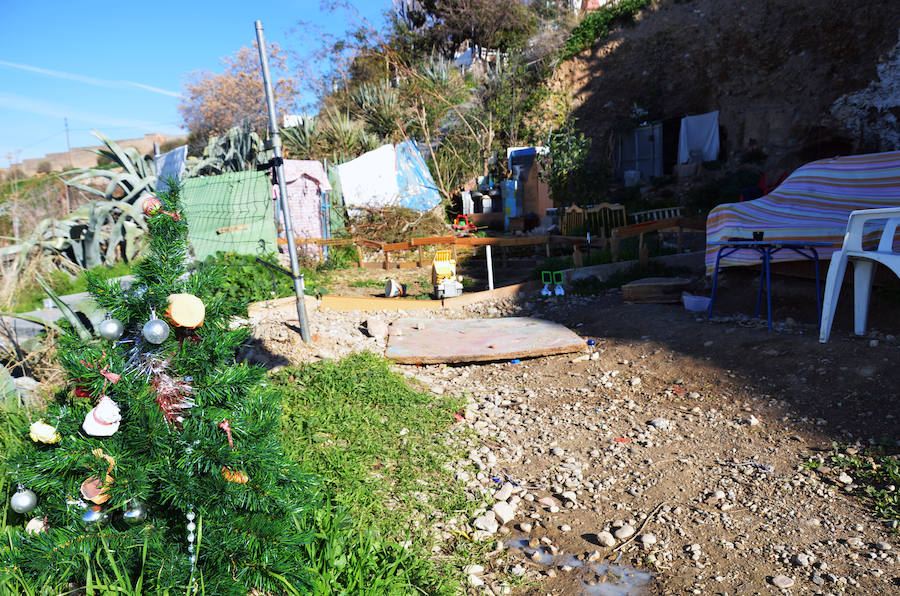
[(695, 303)]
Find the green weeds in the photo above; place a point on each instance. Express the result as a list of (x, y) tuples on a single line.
[(379, 447), (876, 477)]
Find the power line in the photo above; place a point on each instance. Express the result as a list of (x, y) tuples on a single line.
[(56, 134)]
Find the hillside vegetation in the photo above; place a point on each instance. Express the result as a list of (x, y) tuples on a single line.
[(794, 80)]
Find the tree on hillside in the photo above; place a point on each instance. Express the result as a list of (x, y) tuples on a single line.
[(214, 103), (448, 24)]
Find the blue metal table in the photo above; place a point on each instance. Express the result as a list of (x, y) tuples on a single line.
[(766, 249)]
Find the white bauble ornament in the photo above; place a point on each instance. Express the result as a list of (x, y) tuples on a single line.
[(23, 501), (155, 331), (110, 329)]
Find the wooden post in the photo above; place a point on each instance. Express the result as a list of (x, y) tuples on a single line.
[(547, 248), (614, 246), (576, 256), (453, 250), (643, 251), (387, 260), (359, 260), (421, 261)]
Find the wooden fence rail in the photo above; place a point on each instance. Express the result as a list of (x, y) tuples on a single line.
[(578, 243)]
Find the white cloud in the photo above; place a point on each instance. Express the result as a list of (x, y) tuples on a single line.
[(42, 107), (88, 80)]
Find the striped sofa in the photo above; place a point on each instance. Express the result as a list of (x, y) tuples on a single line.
[(811, 205)]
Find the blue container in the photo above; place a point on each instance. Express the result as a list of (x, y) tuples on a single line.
[(508, 191)]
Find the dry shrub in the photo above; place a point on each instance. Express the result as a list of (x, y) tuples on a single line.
[(19, 276), (397, 225)]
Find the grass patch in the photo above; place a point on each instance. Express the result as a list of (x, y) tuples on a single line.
[(366, 283), (377, 444), (876, 477)]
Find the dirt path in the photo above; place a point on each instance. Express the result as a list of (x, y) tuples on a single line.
[(678, 450)]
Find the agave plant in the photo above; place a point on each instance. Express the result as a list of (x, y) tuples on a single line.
[(304, 141), (90, 236), (344, 137), (238, 150), (137, 175), (379, 107)]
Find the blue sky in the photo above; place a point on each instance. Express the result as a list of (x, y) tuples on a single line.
[(119, 67)]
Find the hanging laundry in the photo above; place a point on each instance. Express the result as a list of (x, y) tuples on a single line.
[(699, 134)]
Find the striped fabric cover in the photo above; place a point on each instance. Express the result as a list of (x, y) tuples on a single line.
[(811, 205)]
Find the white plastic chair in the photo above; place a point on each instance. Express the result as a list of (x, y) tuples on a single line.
[(864, 262)]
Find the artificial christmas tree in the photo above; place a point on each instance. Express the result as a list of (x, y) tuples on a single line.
[(163, 461)]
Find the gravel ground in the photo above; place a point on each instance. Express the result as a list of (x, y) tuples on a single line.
[(668, 461)]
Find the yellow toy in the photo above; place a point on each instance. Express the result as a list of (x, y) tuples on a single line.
[(442, 268), (443, 276)]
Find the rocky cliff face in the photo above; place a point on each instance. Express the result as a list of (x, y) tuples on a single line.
[(796, 80)]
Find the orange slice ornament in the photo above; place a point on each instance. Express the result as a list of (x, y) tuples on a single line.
[(236, 476), (185, 310)]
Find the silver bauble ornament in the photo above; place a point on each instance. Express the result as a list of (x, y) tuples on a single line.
[(155, 331), (23, 501), (136, 513), (94, 516), (110, 329)]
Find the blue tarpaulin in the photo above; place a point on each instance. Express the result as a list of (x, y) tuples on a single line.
[(389, 177), (417, 188)]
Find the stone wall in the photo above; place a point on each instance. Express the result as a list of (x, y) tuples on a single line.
[(82, 157)]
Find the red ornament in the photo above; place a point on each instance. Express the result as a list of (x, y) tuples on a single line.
[(104, 372), (151, 206)]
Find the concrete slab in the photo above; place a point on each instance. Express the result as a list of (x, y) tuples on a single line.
[(435, 341)]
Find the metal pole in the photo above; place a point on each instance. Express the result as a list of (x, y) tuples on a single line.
[(282, 190), (490, 264), (69, 158)]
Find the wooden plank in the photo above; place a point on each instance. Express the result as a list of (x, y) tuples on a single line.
[(369, 243), (661, 290), (395, 246), (373, 303), (523, 241), (232, 229), (434, 341), (436, 240)]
